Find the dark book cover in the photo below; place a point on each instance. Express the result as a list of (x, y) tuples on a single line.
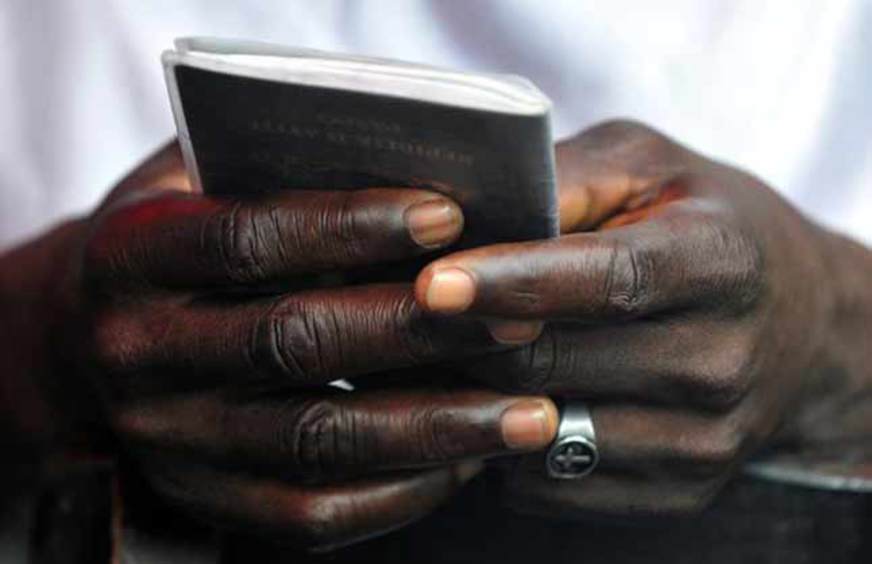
[(253, 136)]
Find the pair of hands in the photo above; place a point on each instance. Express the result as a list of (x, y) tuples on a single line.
[(682, 302)]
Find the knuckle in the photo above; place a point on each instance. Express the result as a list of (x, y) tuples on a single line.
[(235, 234), (736, 266), (316, 440), (724, 377), (725, 390), (728, 389), (714, 452), (627, 285), (632, 148), (430, 426), (291, 339), (626, 134), (343, 219), (338, 225), (747, 277)]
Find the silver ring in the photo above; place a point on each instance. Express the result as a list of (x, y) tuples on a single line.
[(573, 454)]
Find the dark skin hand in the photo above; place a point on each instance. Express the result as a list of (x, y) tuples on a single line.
[(699, 315), (166, 323)]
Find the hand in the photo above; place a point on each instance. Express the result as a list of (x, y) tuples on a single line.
[(685, 302), (214, 379)]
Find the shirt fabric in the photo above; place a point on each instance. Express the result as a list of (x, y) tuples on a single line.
[(778, 87)]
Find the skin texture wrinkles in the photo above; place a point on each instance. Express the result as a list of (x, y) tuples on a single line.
[(699, 315)]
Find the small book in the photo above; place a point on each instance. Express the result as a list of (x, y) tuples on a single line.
[(255, 118)]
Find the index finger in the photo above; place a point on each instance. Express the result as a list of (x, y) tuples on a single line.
[(179, 240)]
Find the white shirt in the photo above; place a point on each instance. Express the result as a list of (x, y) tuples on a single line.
[(780, 87)]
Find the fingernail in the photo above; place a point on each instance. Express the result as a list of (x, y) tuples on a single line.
[(466, 471), (511, 332), (529, 424), (450, 291), (434, 223)]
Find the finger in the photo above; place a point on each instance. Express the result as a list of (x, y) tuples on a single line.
[(184, 240), (710, 364), (303, 339), (661, 443), (319, 437), (162, 171), (680, 258), (319, 519), (605, 493)]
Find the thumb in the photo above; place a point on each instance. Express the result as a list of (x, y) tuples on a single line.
[(163, 170), (610, 168)]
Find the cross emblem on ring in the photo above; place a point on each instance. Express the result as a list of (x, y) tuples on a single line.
[(573, 458)]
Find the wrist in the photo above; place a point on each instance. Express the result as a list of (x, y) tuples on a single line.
[(833, 410)]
